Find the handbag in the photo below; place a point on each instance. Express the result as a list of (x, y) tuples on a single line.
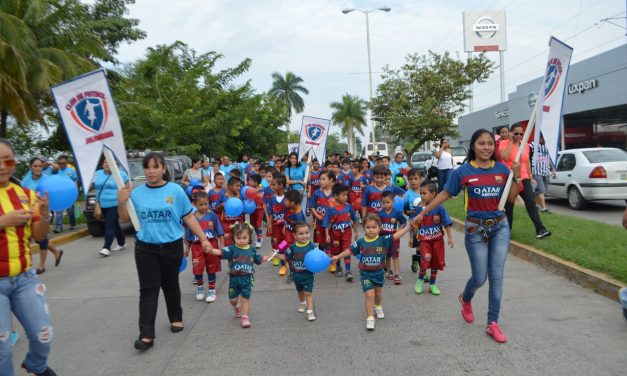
[(97, 208), (433, 170)]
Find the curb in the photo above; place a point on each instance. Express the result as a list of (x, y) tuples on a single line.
[(62, 239), (595, 281)]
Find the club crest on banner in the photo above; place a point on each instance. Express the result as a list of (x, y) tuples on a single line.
[(313, 137), (89, 111), (314, 133), (552, 77)]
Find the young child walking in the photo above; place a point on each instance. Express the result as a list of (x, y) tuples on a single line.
[(256, 218), (320, 201), (371, 251), (233, 190), (202, 261), (410, 205), (339, 224), (357, 185), (217, 194), (371, 198), (431, 234), (293, 213), (242, 257), (391, 221), (275, 215)]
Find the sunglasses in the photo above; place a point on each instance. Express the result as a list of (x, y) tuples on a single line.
[(8, 162), (519, 134)]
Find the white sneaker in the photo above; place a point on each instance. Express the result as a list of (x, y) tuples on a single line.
[(379, 312), (211, 296), (370, 323), (200, 293), (302, 306), (118, 248), (311, 316), (258, 245), (104, 252)]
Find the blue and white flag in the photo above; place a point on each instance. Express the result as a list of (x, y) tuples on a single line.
[(313, 136)]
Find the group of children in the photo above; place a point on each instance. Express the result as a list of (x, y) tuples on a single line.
[(338, 201)]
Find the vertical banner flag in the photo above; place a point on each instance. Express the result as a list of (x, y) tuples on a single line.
[(292, 148), (313, 136), (551, 98)]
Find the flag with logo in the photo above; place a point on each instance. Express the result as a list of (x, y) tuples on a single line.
[(313, 137), (292, 148), (90, 120), (551, 98)]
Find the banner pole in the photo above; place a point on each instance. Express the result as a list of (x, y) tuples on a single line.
[(115, 171), (307, 169)]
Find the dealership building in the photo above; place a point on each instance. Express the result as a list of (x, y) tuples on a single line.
[(594, 110)]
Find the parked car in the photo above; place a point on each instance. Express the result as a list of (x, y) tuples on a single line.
[(589, 174), (459, 154), (419, 159), (176, 166)]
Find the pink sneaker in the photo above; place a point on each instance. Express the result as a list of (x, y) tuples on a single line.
[(238, 311), (494, 331), (245, 322), (467, 314)]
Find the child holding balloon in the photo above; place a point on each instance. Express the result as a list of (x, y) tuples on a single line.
[(231, 216), (371, 251), (275, 215), (293, 214), (217, 194), (339, 224), (256, 218)]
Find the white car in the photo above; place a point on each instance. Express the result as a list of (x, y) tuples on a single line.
[(459, 154), (590, 174)]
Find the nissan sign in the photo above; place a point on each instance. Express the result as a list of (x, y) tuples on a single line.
[(485, 27)]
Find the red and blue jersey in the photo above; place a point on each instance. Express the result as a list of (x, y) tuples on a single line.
[(483, 188), (369, 176), (320, 202), (314, 180), (371, 197), (277, 209), (293, 215), (392, 221), (339, 217), (210, 225), (267, 194), (216, 198), (357, 186), (433, 223), (345, 178)]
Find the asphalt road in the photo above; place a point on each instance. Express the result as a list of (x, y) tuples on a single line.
[(610, 211), (554, 326)]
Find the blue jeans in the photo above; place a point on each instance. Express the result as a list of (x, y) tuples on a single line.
[(112, 227), (443, 176), (58, 218), (24, 296), (487, 261)]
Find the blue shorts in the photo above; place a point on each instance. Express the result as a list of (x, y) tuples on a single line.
[(240, 285), (371, 279), (304, 281)]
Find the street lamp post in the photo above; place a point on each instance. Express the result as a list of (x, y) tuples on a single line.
[(366, 12)]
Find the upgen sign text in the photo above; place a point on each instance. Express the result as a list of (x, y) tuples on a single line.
[(580, 87)]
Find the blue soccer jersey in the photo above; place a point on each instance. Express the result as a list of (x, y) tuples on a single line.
[(295, 255), (345, 178), (433, 223), (210, 225), (373, 252), (107, 189), (371, 198), (339, 217), (277, 209), (241, 260), (392, 221)]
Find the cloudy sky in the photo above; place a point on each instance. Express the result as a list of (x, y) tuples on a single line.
[(313, 39)]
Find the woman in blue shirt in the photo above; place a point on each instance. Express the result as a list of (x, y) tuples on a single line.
[(107, 197), (295, 174), (162, 208)]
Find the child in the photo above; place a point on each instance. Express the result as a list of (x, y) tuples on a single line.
[(371, 198), (201, 261), (345, 175), (432, 238), (275, 215), (338, 222), (365, 168), (320, 201), (293, 214), (391, 219), (217, 194), (233, 191), (303, 278), (357, 185), (313, 184), (335, 167), (371, 252), (241, 257), (412, 201), (256, 218)]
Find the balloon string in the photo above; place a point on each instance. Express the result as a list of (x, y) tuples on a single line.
[(273, 255)]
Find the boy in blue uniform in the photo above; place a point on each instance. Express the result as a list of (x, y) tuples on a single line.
[(371, 197), (371, 251), (346, 175), (339, 224), (391, 220), (411, 203)]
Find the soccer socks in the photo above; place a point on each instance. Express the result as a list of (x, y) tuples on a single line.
[(419, 256), (434, 275), (198, 278), (212, 281), (282, 262), (347, 263), (258, 232)]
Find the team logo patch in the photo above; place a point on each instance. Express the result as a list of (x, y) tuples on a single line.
[(552, 77), (379, 250), (314, 131), (499, 179), (393, 220), (169, 200), (23, 199), (89, 110)]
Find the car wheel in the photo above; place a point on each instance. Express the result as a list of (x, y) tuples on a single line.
[(575, 199), (96, 229)]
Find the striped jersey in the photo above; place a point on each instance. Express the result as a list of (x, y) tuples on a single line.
[(15, 252), (541, 164), (433, 223)]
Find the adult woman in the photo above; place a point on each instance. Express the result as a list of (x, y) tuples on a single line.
[(508, 150), (32, 178), (195, 173), (212, 174), (445, 163), (161, 207), (21, 291), (107, 197), (487, 234), (295, 174)]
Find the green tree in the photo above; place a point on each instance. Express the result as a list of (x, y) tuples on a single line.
[(334, 145), (287, 90), (420, 101), (351, 114)]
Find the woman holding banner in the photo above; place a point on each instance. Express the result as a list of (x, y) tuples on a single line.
[(295, 174)]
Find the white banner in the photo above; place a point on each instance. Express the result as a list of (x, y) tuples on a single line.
[(292, 148), (313, 136), (90, 120), (549, 110)]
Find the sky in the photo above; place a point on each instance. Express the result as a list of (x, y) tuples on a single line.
[(313, 39)]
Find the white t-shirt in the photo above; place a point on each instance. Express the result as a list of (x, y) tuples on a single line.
[(445, 161)]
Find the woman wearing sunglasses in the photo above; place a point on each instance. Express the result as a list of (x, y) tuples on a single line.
[(508, 150)]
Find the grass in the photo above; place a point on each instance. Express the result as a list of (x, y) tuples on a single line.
[(593, 245)]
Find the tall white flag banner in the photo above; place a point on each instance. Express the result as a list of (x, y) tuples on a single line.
[(90, 120), (292, 148), (313, 136), (549, 110)]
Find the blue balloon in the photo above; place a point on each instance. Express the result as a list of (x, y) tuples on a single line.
[(194, 182), (233, 207), (317, 261), (62, 191), (183, 264), (399, 203), (249, 206)]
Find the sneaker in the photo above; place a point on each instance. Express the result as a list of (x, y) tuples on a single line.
[(397, 279), (419, 288), (200, 293), (338, 272), (276, 261), (414, 263), (349, 277), (467, 314), (543, 234), (48, 371), (245, 322), (370, 323), (379, 312), (118, 248), (238, 311), (104, 252), (57, 231), (434, 289), (494, 331), (311, 316), (427, 277), (302, 306), (390, 275), (258, 245), (283, 270), (545, 210), (333, 267), (211, 296)]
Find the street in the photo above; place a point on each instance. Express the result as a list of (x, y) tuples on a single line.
[(610, 211), (554, 326)]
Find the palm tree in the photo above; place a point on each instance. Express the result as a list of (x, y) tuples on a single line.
[(287, 89), (351, 114)]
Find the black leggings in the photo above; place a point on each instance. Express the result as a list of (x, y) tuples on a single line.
[(530, 204)]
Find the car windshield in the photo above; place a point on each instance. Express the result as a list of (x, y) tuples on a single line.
[(458, 151), (136, 169), (381, 147), (606, 155), (422, 157)]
